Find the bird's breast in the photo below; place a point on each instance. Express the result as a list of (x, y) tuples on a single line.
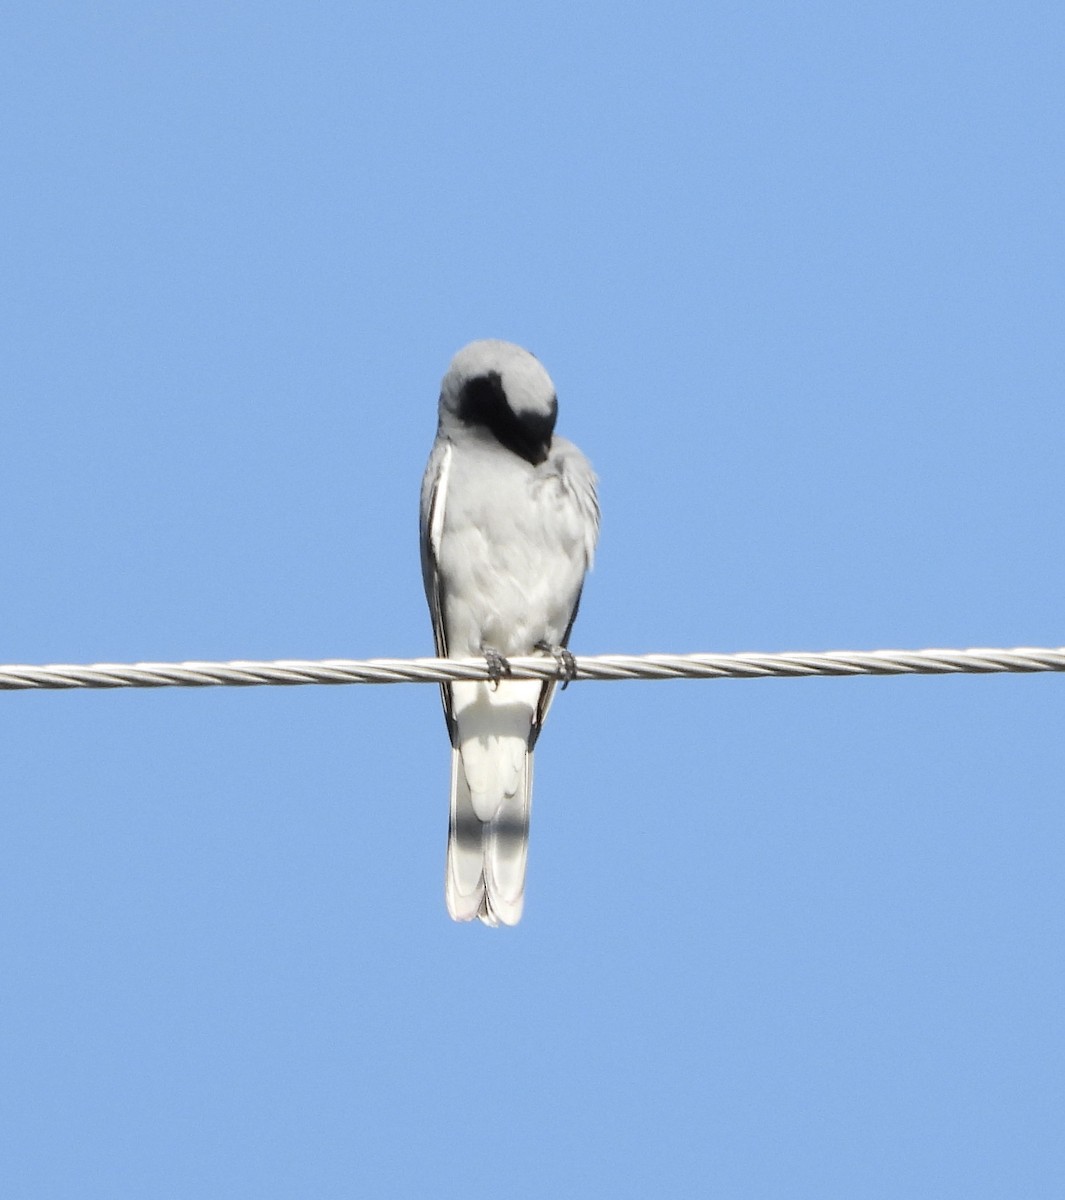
[(512, 556)]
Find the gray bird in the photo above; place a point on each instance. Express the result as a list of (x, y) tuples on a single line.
[(509, 522)]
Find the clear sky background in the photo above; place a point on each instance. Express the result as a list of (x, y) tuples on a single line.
[(798, 272)]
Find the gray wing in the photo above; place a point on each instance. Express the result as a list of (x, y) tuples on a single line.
[(433, 504)]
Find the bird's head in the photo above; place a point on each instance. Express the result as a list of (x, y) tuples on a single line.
[(502, 390)]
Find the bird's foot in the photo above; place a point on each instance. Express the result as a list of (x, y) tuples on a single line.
[(498, 666), (566, 663)]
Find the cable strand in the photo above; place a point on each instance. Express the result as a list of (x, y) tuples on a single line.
[(606, 667)]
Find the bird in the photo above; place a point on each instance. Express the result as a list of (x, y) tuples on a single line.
[(509, 525)]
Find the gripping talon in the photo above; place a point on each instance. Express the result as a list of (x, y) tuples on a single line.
[(564, 660), (498, 666), (569, 668)]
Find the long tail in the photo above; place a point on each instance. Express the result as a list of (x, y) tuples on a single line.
[(486, 859), (491, 797)]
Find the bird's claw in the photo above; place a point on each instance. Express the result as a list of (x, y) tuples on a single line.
[(566, 663), (498, 667)]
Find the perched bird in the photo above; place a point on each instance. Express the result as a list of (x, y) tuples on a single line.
[(509, 522)]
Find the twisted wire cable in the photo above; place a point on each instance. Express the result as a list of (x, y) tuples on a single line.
[(292, 672)]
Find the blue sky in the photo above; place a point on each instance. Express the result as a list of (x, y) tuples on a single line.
[(796, 271)]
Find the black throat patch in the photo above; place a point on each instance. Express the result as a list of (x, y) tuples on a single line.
[(483, 402)]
